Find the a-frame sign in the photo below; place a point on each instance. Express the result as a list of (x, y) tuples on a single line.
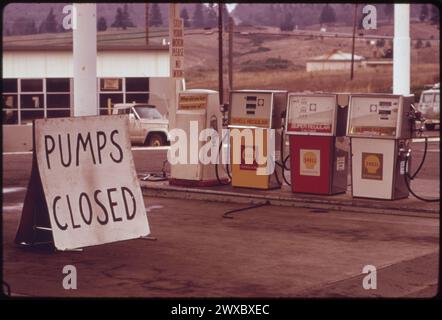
[(83, 189)]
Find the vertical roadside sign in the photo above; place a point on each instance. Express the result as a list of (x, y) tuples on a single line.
[(176, 47), (176, 54)]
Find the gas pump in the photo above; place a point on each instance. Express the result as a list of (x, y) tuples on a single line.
[(380, 127), (316, 125), (199, 107), (257, 112)]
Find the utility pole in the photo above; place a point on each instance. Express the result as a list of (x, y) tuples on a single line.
[(353, 43), (231, 53), (146, 21), (220, 54)]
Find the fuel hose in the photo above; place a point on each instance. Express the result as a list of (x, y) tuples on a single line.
[(408, 178), (227, 165), (227, 214)]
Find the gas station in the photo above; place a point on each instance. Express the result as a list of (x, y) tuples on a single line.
[(309, 149), (320, 151)]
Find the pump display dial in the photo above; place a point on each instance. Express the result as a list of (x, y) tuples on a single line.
[(311, 114), (374, 116)]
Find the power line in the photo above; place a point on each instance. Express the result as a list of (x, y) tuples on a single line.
[(206, 33)]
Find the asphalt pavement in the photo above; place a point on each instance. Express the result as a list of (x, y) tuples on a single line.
[(270, 251)]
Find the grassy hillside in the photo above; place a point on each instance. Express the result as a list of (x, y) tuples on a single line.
[(271, 60)]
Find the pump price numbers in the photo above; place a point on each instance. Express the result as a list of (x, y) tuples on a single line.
[(373, 116)]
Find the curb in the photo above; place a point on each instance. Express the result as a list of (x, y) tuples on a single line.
[(163, 190)]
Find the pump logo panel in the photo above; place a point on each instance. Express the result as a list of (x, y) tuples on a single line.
[(310, 164), (372, 166), (248, 161)]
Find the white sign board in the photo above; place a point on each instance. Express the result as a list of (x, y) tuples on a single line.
[(89, 182), (311, 114)]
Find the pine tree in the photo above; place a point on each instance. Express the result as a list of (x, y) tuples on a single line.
[(127, 22), (418, 44), (185, 16), (212, 17), (328, 15), (287, 23), (434, 14), (49, 25), (156, 20), (102, 24), (118, 22), (272, 16), (198, 16), (424, 13)]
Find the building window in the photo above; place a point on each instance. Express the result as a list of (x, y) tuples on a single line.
[(9, 109), (58, 97), (137, 90), (110, 84), (27, 99), (32, 85), (137, 84), (111, 92), (108, 100), (31, 102), (58, 85), (10, 85), (137, 97)]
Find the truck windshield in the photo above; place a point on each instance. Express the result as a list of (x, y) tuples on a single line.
[(427, 98), (148, 112)]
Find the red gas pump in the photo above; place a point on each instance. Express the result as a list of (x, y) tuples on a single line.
[(316, 125)]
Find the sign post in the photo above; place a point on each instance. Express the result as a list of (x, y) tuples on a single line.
[(83, 189), (176, 52)]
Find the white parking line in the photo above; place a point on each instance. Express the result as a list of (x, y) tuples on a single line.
[(16, 152), (13, 189), (150, 148), (430, 139), (133, 148)]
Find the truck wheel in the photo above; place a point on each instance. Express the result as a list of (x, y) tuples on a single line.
[(429, 126), (155, 140)]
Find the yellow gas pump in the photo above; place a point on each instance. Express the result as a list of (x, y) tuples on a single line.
[(252, 116)]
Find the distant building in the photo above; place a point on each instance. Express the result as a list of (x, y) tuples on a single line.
[(38, 73), (373, 63), (336, 60)]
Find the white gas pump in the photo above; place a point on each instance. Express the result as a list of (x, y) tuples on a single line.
[(380, 127), (197, 109)]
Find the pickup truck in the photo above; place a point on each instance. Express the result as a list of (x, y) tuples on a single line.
[(146, 124), (429, 106)]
